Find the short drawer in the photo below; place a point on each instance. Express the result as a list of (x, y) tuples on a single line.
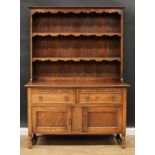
[(99, 96), (53, 96)]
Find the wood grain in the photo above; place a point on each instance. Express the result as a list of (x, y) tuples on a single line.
[(51, 119), (100, 97), (54, 98), (102, 119)]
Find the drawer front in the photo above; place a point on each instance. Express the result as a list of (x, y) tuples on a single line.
[(100, 96), (53, 96)]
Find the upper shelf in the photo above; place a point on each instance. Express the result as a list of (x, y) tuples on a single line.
[(75, 34), (77, 10), (76, 59)]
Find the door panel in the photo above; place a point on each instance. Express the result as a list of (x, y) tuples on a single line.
[(51, 119), (102, 119)]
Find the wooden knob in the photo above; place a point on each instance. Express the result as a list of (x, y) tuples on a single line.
[(66, 98), (87, 98), (114, 98), (40, 98)]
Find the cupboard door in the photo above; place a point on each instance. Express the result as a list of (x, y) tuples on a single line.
[(51, 119), (102, 119)]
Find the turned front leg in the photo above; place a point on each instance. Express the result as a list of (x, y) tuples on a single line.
[(30, 142), (123, 141)]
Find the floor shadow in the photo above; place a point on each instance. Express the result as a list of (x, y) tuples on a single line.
[(76, 140)]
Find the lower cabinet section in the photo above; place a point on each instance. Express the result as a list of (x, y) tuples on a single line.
[(102, 119), (51, 119), (79, 111), (76, 119)]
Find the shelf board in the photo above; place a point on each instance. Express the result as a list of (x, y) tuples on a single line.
[(69, 82), (77, 10), (76, 34), (76, 59)]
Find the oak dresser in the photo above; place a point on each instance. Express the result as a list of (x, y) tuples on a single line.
[(76, 72)]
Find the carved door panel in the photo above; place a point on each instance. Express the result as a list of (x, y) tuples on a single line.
[(51, 119), (102, 119)]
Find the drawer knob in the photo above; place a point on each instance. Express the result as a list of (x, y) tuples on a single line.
[(87, 98), (114, 98), (66, 98), (40, 98)]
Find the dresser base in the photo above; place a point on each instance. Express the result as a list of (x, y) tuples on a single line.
[(77, 110)]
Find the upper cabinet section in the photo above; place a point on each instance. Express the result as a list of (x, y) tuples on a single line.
[(76, 21), (76, 42)]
